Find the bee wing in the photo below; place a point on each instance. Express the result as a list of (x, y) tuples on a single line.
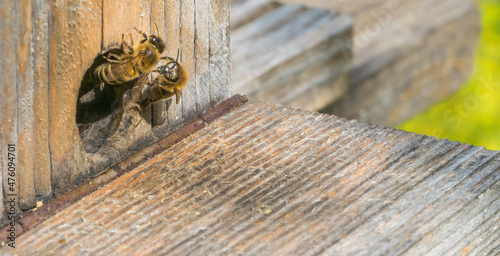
[(142, 82), (142, 79), (124, 68), (134, 96)]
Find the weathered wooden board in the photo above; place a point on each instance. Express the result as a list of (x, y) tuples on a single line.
[(270, 180), (49, 47), (9, 84), (289, 54), (40, 41), (25, 107), (158, 14), (74, 40), (408, 55)]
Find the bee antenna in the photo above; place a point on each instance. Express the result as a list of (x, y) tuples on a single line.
[(157, 31), (178, 53)]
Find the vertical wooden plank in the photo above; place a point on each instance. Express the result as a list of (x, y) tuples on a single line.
[(25, 105), (91, 25), (120, 18), (226, 87), (201, 75), (173, 24), (8, 87), (40, 101), (158, 16), (74, 39), (204, 41), (220, 61), (3, 213), (90, 32), (187, 42)]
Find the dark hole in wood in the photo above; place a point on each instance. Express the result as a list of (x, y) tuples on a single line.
[(112, 120), (94, 108)]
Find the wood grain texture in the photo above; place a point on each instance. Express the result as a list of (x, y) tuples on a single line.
[(186, 36), (173, 24), (50, 47), (201, 74), (408, 55), (290, 54), (270, 180), (158, 16), (243, 12), (128, 15), (199, 30), (219, 51), (25, 108), (74, 38), (8, 85), (40, 41)]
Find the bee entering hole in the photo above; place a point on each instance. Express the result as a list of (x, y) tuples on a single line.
[(116, 92)]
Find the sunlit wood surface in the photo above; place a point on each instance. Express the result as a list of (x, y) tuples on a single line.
[(271, 180)]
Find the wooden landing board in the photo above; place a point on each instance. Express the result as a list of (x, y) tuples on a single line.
[(271, 180), (289, 54)]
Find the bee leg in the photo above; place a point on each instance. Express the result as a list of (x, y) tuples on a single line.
[(115, 59), (164, 86), (177, 95), (108, 59), (142, 33), (157, 31), (167, 58), (140, 120), (124, 43)]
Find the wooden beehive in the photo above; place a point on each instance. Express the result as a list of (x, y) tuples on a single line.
[(407, 55), (289, 54), (49, 45), (263, 179)]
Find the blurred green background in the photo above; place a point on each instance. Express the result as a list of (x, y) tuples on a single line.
[(472, 114)]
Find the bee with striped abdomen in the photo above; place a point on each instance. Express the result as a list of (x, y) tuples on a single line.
[(171, 80), (128, 63)]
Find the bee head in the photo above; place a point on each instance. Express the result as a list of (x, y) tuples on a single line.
[(170, 71), (157, 42)]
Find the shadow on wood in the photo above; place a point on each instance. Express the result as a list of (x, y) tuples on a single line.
[(108, 115)]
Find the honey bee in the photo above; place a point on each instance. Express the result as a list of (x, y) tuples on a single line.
[(128, 63), (171, 80)]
